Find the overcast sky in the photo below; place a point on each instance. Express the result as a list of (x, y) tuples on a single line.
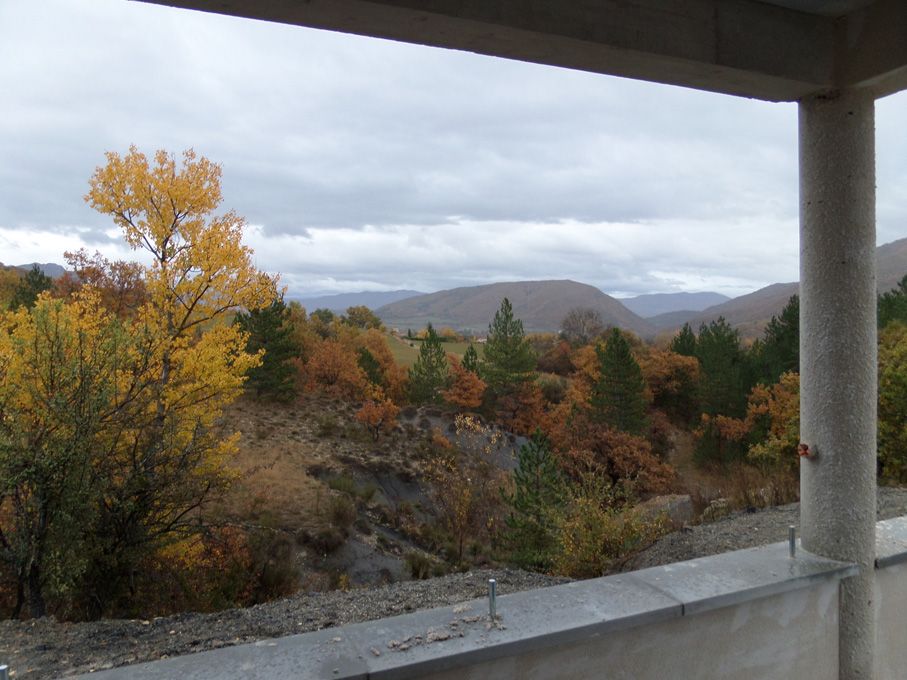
[(362, 164)]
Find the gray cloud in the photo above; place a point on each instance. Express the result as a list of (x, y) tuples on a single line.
[(374, 164)]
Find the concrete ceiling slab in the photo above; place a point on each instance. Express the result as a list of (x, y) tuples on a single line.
[(828, 8), (778, 50)]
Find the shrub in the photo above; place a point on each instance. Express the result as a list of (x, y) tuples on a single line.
[(421, 566), (341, 512)]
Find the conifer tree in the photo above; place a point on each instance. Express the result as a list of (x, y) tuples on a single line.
[(370, 366), (684, 342), (471, 359), (428, 376), (779, 350), (269, 329), (722, 389), (509, 359), (29, 288), (893, 304), (539, 494), (618, 396)]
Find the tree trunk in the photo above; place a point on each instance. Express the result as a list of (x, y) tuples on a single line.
[(36, 604)]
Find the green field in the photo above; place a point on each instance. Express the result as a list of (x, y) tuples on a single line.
[(406, 356)]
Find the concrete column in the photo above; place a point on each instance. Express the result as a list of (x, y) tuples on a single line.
[(838, 354)]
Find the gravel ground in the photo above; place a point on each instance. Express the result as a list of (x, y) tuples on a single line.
[(744, 530), (47, 649)]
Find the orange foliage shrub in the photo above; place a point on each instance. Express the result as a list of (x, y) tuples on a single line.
[(333, 369), (393, 376), (557, 359), (378, 415), (523, 411), (671, 379), (466, 389), (627, 461)]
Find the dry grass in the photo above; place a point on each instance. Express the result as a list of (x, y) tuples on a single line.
[(288, 454), (406, 356), (278, 447)]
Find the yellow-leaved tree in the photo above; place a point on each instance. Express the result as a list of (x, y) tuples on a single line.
[(60, 372), (109, 414), (188, 361), (110, 434)]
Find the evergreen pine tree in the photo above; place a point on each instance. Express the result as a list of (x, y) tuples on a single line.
[(428, 376), (269, 328), (539, 493), (779, 350), (370, 366), (509, 359), (722, 388), (618, 396), (684, 342), (29, 288), (893, 304), (471, 359)]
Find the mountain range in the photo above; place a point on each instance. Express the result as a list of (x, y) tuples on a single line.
[(655, 304), (541, 305), (749, 313), (50, 269), (340, 302)]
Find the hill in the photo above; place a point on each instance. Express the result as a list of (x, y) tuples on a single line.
[(50, 269), (342, 301), (541, 305), (657, 304), (750, 313)]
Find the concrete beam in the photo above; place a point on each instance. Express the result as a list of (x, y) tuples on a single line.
[(739, 47), (872, 48), (838, 354)]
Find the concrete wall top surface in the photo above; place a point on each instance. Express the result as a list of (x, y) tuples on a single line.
[(446, 638)]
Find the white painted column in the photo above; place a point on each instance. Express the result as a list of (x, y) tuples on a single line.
[(838, 354)]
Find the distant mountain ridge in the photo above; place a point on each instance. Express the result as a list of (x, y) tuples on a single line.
[(541, 305), (343, 301), (50, 269), (749, 313), (655, 304)]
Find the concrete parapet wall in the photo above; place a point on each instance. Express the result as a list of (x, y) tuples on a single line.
[(754, 613)]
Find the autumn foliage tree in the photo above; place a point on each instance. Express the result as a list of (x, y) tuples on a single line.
[(773, 424), (334, 370), (671, 380), (121, 284), (466, 388), (378, 414), (165, 456), (58, 379), (893, 401)]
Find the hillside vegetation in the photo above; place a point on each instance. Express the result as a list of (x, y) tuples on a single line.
[(175, 436)]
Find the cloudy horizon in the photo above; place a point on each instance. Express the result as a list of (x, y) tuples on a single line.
[(363, 164)]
